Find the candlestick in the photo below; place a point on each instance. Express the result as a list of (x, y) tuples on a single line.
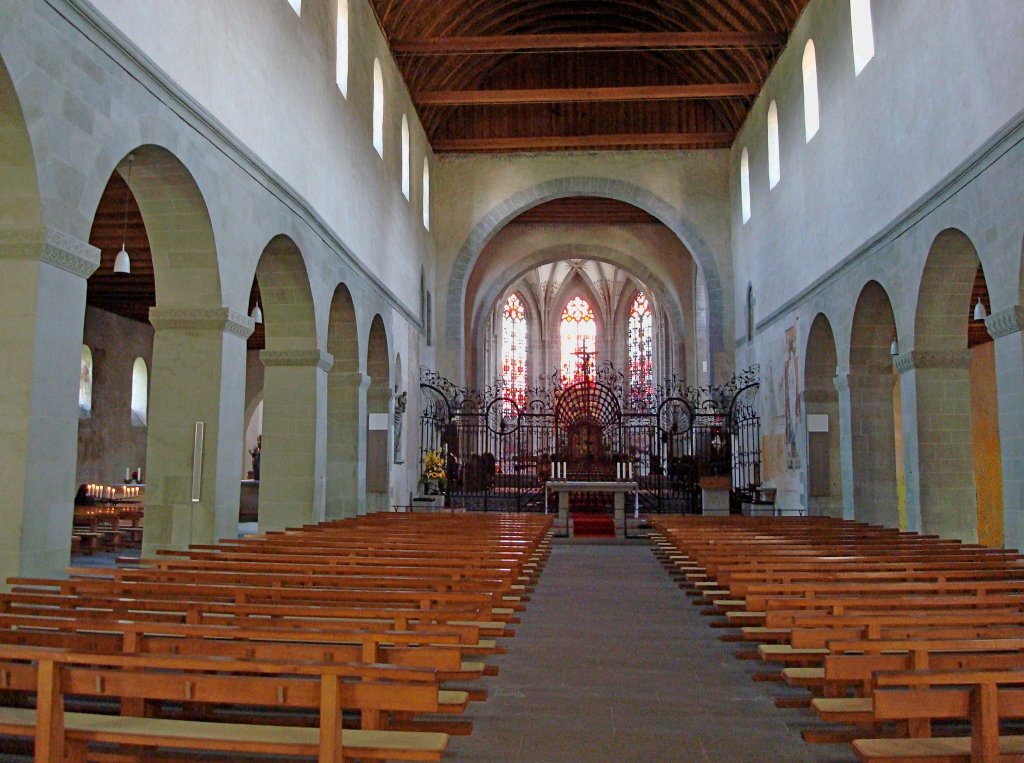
[(552, 470)]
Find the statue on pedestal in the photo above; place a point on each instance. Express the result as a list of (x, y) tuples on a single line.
[(400, 403)]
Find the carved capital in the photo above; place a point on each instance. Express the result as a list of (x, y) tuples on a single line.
[(298, 358), (841, 382), (201, 319), (70, 254), (916, 359), (1005, 322)]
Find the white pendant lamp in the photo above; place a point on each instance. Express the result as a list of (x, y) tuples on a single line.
[(979, 311), (257, 314), (894, 348), (123, 263)]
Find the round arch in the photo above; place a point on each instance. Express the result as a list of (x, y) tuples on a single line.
[(518, 203), (824, 487), (378, 404), (346, 444)]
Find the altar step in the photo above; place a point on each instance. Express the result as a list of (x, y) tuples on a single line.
[(587, 525)]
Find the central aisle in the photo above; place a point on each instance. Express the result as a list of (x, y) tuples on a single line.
[(612, 663)]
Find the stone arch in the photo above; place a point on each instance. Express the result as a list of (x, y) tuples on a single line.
[(821, 406), (870, 382), (21, 213), (502, 214), (292, 487), (667, 299), (346, 409), (378, 405), (960, 477)]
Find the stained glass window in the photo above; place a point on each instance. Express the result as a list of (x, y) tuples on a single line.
[(578, 333), (513, 347), (641, 325)]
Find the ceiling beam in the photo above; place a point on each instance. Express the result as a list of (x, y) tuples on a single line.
[(625, 140), (525, 43), (585, 94)]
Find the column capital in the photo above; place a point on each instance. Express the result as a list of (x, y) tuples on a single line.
[(298, 358), (201, 319), (916, 359), (841, 381), (1005, 322), (69, 253)]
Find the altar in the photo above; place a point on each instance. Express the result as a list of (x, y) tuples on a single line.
[(563, 487)]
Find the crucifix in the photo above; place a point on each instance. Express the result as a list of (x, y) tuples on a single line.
[(584, 355)]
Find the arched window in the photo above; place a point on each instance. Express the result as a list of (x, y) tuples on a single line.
[(774, 171), (514, 338), (640, 346), (810, 68), (745, 184), (426, 194), (296, 6), (140, 393), (863, 34), (578, 334), (342, 47), (405, 156), (378, 108), (85, 384)]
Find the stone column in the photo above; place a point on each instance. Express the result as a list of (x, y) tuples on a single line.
[(842, 385), (293, 466), (346, 444), (43, 312), (872, 442), (1005, 328), (936, 389), (198, 376)]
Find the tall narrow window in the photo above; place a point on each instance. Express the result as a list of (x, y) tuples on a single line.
[(85, 384), (342, 47), (774, 171), (378, 108), (405, 156), (296, 6), (514, 338), (578, 335), (640, 347), (745, 184), (140, 393), (750, 312), (810, 67), (426, 194), (863, 34)]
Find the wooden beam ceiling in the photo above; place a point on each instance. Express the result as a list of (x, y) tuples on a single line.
[(556, 75), (609, 41)]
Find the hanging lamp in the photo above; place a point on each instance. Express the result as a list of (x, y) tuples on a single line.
[(894, 348), (979, 311), (257, 313), (122, 262)]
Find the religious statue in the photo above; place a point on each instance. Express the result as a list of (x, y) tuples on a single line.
[(400, 403), (255, 454)]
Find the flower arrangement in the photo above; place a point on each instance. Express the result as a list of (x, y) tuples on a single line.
[(433, 470)]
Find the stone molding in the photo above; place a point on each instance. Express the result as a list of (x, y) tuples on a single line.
[(842, 382), (201, 319), (69, 253), (297, 358), (1005, 322), (915, 359)]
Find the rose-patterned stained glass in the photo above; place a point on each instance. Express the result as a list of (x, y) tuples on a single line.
[(578, 332), (514, 337), (639, 346)]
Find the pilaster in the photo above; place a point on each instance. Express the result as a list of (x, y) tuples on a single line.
[(1005, 328)]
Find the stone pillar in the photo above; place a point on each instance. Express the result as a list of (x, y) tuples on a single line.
[(936, 390), (346, 444), (293, 466), (43, 311), (842, 385), (379, 449), (872, 437), (198, 376), (1005, 328)]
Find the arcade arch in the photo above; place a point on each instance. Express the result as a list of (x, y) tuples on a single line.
[(824, 487)]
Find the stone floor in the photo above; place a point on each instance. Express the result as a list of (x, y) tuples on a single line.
[(612, 663)]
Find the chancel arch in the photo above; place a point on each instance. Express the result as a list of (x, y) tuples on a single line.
[(824, 487), (952, 373), (346, 410), (869, 388)]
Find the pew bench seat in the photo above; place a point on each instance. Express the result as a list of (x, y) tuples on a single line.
[(933, 749), (807, 678), (844, 709), (82, 728)]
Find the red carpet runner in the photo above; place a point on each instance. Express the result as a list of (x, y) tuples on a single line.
[(592, 525)]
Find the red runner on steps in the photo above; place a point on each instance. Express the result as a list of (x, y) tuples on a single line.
[(586, 525)]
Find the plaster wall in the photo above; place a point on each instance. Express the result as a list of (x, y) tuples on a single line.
[(108, 442)]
